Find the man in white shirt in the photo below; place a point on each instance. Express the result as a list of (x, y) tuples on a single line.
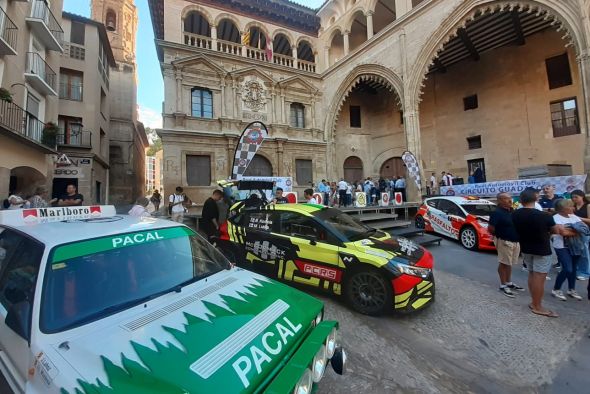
[(447, 179), (176, 204), (308, 196), (342, 186)]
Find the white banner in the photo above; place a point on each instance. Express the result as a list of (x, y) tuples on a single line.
[(284, 182), (562, 184), (384, 201)]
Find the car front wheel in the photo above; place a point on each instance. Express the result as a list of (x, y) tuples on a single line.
[(468, 238), (368, 292)]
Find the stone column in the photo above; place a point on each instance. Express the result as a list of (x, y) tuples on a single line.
[(326, 57), (283, 106), (370, 30), (312, 110), (414, 145), (223, 114), (584, 67), (273, 111), (214, 37), (402, 7), (280, 164), (179, 108), (5, 181), (295, 58), (346, 42)]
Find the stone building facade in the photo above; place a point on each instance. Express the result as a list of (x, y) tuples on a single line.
[(128, 140), (463, 84)]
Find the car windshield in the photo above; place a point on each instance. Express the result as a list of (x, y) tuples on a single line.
[(91, 279), (479, 209), (346, 225)]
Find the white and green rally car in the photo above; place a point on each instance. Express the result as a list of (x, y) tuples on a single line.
[(92, 302)]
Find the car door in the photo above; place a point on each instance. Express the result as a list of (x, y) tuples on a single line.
[(314, 255), (454, 217), (20, 258)]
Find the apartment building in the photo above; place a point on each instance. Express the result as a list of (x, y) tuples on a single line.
[(31, 44), (347, 88), (84, 108)]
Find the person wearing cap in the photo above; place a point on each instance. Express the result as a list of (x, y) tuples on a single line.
[(549, 197), (140, 208), (39, 198)]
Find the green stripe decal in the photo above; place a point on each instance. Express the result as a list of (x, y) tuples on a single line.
[(84, 248)]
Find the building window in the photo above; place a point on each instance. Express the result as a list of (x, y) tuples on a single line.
[(298, 115), (470, 102), (111, 20), (564, 117), (201, 103), (474, 142), (70, 130), (558, 71), (303, 172), (70, 84), (77, 33), (198, 170), (401, 117), (355, 116), (103, 103)]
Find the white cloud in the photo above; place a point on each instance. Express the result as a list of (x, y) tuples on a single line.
[(149, 117)]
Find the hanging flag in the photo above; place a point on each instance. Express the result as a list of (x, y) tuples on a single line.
[(246, 38), (269, 51), (413, 167), (249, 143)]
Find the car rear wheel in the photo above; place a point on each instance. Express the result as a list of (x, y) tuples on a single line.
[(468, 238), (368, 292), (419, 222)]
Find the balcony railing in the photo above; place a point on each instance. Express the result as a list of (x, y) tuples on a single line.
[(40, 75), (46, 26), (8, 34), (74, 51), (234, 48), (78, 139), (19, 121)]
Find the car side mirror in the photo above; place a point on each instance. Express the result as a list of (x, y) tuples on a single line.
[(18, 319), (313, 240)]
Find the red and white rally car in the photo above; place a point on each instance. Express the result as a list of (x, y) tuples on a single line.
[(462, 218)]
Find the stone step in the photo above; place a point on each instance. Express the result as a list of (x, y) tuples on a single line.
[(388, 224), (371, 217)]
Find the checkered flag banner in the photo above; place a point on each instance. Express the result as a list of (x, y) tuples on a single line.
[(413, 167), (249, 143)]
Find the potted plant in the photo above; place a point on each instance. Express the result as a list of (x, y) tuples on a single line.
[(50, 132), (5, 95)]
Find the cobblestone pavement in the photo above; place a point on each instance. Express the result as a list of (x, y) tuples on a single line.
[(471, 340)]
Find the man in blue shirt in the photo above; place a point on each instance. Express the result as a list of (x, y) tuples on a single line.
[(400, 186), (506, 241), (325, 191), (549, 197)]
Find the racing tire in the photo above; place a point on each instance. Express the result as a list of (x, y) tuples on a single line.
[(468, 238), (368, 292), (419, 222)]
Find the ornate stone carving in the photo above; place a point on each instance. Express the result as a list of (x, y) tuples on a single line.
[(254, 95)]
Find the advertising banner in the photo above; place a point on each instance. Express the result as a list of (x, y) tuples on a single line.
[(361, 200), (384, 201), (284, 182), (562, 184), (252, 137), (413, 168)]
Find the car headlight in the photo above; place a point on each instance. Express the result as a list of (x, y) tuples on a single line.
[(331, 343), (412, 270), (305, 383), (318, 366), (319, 317)]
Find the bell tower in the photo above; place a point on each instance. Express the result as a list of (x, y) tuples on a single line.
[(120, 19)]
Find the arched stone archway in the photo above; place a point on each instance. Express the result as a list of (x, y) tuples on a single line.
[(24, 180), (259, 166), (564, 14), (353, 169), (558, 21), (392, 167)]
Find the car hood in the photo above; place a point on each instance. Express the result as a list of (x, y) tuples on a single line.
[(227, 333), (381, 244)]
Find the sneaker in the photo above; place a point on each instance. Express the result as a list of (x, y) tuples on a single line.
[(547, 277), (512, 286), (581, 277), (574, 294), (558, 294), (507, 292)]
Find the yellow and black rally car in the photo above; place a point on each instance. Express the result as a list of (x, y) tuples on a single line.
[(325, 248)]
